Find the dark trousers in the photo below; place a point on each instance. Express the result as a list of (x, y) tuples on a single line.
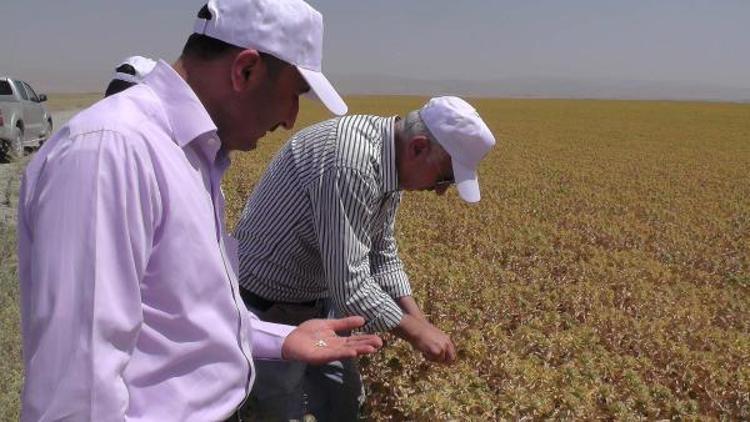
[(289, 390)]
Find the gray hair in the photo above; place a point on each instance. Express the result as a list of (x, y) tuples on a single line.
[(414, 126)]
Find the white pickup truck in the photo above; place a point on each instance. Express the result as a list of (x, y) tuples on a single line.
[(24, 121)]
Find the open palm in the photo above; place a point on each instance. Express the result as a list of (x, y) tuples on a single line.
[(316, 342)]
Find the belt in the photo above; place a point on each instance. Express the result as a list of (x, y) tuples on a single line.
[(263, 304)]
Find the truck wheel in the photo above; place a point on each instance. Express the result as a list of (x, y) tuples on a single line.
[(4, 148), (48, 133), (15, 152)]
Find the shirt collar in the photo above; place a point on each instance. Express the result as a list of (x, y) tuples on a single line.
[(390, 172), (187, 117)]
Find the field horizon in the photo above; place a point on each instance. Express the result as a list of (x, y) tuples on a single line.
[(59, 101)]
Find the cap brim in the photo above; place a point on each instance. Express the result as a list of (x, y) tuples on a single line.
[(467, 182), (323, 91)]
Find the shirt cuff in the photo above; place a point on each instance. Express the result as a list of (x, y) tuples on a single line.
[(395, 283), (268, 338), (388, 318)]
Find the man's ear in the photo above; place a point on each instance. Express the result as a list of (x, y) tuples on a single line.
[(419, 147), (245, 69)]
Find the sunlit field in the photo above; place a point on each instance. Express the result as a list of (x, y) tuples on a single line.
[(57, 102), (604, 275)]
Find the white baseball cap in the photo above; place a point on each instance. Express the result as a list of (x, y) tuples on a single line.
[(142, 65), (290, 30), (457, 127)]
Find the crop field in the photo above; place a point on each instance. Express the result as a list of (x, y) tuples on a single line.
[(604, 275), (58, 102)]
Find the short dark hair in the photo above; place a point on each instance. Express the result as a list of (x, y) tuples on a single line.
[(117, 85), (203, 47), (126, 68)]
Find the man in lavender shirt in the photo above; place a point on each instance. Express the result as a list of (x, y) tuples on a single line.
[(129, 296)]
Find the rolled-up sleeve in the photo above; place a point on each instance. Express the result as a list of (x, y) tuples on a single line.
[(342, 202), (85, 232)]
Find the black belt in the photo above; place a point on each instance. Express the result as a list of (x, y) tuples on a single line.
[(262, 304)]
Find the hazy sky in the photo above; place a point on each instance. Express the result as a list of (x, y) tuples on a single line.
[(73, 45)]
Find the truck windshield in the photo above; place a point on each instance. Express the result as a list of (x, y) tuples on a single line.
[(32, 94), (21, 91)]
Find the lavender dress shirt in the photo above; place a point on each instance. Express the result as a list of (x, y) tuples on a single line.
[(129, 297)]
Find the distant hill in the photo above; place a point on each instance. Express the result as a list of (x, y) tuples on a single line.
[(542, 88), (527, 87)]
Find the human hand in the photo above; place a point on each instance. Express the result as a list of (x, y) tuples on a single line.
[(434, 344), (316, 342)]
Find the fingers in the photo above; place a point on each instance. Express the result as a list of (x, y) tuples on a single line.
[(430, 357), (441, 352), (344, 324), (362, 344), (433, 353), (362, 349), (330, 355), (451, 352), (369, 340), (434, 344)]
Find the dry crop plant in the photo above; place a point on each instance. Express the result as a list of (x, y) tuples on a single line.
[(605, 274)]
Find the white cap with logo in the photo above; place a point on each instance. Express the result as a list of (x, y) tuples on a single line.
[(142, 65), (290, 30), (456, 125)]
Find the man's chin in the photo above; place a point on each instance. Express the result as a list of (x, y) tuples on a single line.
[(249, 145)]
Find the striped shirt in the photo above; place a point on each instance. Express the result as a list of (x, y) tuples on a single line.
[(320, 223)]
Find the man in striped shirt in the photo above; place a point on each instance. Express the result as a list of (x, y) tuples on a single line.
[(317, 239)]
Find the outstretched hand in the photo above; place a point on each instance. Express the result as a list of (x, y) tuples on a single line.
[(316, 342)]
